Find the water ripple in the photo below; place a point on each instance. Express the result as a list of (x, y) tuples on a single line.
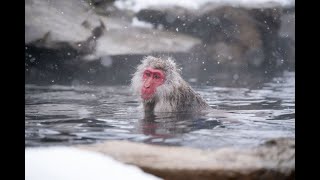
[(56, 115)]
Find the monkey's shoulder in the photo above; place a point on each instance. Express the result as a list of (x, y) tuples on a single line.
[(191, 100)]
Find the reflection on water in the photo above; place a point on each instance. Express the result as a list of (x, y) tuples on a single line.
[(64, 115), (167, 126)]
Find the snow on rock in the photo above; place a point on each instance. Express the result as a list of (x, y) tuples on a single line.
[(137, 5), (66, 163)]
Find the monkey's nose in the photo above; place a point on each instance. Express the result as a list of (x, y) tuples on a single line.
[(147, 83)]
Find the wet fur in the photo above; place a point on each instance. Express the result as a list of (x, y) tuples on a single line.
[(175, 95)]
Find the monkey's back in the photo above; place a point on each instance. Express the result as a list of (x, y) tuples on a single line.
[(182, 99)]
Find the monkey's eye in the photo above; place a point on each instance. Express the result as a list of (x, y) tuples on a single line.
[(156, 76), (147, 74)]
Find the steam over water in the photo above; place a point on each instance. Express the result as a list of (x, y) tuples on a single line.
[(65, 115)]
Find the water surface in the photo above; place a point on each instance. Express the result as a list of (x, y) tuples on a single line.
[(66, 115)]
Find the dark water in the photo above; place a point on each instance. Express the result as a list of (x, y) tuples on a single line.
[(64, 115)]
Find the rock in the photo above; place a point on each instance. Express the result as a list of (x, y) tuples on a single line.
[(75, 25), (62, 19), (66, 163), (238, 36), (143, 41), (274, 159)]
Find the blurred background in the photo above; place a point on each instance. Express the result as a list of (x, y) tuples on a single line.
[(234, 43)]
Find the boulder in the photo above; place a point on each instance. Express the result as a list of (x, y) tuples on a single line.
[(275, 159), (75, 25), (239, 36)]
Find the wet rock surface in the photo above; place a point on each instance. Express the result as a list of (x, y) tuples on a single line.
[(275, 159)]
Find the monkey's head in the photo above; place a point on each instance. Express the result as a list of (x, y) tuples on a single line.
[(154, 78)]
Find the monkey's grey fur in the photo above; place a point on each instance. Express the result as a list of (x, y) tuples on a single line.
[(174, 95)]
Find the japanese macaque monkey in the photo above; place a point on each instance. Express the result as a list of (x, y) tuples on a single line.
[(159, 84)]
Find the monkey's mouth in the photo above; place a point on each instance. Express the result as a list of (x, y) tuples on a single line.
[(147, 94)]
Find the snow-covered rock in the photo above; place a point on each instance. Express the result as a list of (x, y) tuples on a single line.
[(67, 163)]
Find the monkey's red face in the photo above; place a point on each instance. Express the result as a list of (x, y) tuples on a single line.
[(152, 78)]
